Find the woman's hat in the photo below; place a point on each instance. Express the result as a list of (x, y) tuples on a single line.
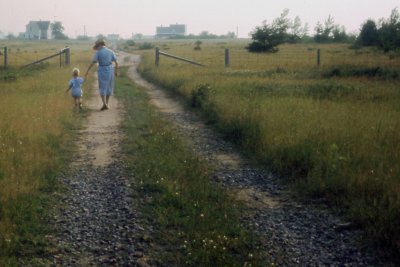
[(99, 43)]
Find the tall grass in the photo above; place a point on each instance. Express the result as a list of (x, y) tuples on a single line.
[(35, 139), (333, 130)]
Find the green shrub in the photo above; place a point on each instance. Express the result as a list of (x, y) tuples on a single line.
[(130, 43), (200, 96), (145, 46), (369, 72)]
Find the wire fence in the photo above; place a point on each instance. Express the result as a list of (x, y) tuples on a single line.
[(289, 57)]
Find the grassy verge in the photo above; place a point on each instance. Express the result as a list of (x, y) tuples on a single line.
[(332, 131), (36, 132), (197, 223)]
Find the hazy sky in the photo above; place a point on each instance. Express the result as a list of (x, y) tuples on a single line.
[(215, 16)]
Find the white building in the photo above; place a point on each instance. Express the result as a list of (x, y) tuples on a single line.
[(113, 37), (38, 30), (172, 30)]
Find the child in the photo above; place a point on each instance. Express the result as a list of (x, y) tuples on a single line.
[(75, 85)]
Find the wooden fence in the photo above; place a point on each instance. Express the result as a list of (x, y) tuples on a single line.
[(67, 58), (158, 53), (64, 54)]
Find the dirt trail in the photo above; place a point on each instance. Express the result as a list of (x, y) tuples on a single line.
[(97, 222), (164, 103), (97, 144), (158, 97), (292, 233)]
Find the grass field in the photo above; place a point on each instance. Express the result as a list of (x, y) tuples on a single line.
[(36, 129), (332, 131)]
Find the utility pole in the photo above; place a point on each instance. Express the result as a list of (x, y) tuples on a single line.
[(5, 57)]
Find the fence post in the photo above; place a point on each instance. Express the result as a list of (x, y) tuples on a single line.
[(5, 57), (319, 57), (157, 56), (67, 56), (227, 59)]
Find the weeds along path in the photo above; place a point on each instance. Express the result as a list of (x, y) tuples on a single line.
[(293, 234), (97, 222)]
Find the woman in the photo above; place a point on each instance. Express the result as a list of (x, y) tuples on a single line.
[(106, 71)]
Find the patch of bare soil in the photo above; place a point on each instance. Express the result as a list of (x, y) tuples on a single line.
[(97, 143)]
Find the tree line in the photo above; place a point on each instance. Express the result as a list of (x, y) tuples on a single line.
[(57, 31), (384, 34)]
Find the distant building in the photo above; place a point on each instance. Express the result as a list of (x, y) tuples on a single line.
[(113, 37), (172, 30), (2, 35), (38, 30), (83, 37)]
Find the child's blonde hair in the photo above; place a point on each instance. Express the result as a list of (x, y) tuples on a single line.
[(75, 72)]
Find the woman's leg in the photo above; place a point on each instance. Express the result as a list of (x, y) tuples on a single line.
[(103, 99)]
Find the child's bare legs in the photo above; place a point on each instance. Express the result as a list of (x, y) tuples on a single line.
[(78, 103)]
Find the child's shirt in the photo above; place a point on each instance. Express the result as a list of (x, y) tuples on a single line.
[(76, 86)]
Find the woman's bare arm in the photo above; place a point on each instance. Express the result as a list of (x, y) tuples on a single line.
[(116, 68), (90, 66)]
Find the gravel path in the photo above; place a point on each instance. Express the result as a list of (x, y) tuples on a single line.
[(97, 222), (293, 234)]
